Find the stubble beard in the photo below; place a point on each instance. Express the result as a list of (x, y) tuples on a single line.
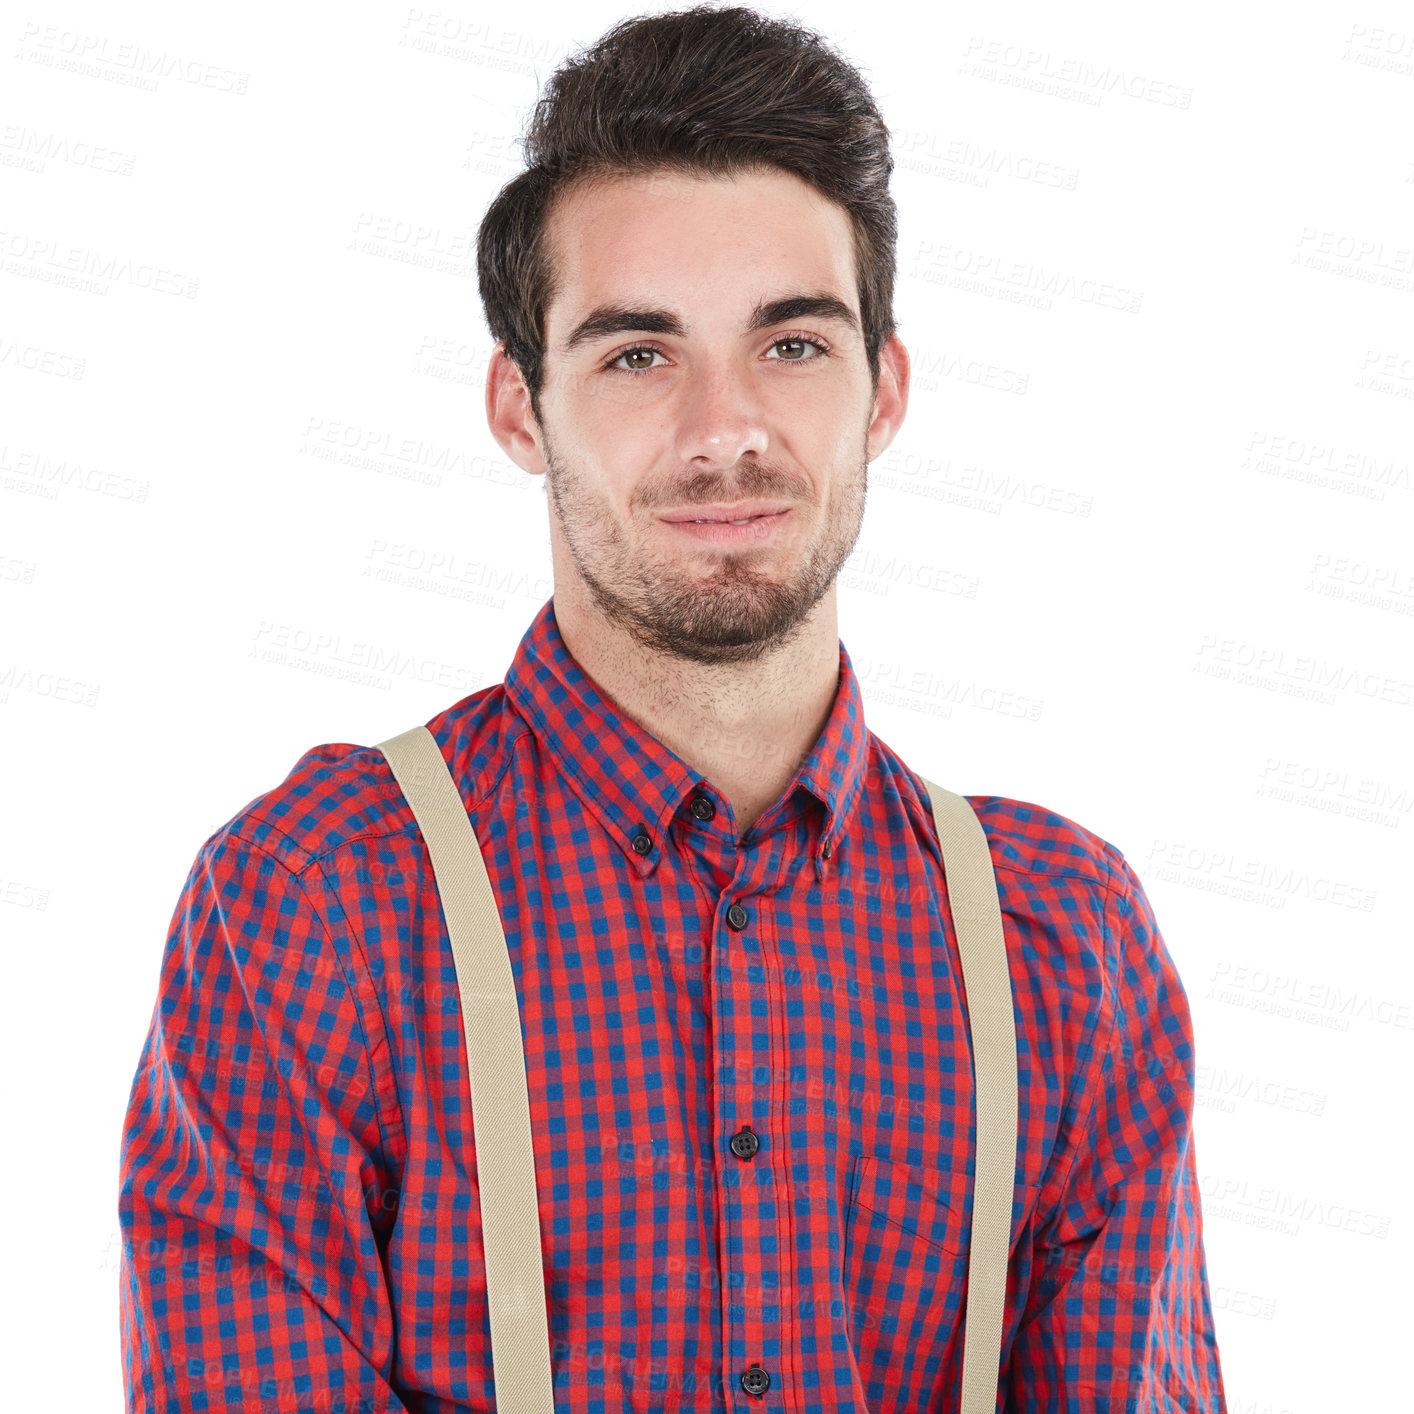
[(731, 613)]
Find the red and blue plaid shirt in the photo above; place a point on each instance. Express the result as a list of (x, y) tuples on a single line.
[(299, 1205)]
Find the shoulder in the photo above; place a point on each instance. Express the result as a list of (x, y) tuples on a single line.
[(339, 793), (1028, 838), (1023, 837)]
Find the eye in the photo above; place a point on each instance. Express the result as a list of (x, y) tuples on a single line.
[(821, 347), (627, 353), (822, 350)]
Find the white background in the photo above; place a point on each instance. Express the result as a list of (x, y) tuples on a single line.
[(1141, 552)]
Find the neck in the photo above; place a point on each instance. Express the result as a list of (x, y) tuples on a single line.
[(745, 726)]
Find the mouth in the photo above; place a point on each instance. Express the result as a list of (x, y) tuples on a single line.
[(749, 529), (722, 511)]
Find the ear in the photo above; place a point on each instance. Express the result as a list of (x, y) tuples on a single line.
[(891, 399), (509, 414)]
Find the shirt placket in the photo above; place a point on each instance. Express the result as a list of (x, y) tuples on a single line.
[(743, 1065)]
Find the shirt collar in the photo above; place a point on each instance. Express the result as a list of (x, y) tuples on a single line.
[(634, 783)]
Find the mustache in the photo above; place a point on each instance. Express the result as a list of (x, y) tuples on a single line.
[(753, 484)]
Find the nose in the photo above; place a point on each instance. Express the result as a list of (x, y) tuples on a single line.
[(719, 416)]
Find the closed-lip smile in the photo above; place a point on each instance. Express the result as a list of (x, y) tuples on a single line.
[(720, 513)]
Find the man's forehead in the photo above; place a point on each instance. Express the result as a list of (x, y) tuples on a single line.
[(670, 189), (620, 251)]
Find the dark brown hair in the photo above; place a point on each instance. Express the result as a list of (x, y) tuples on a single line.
[(706, 91)]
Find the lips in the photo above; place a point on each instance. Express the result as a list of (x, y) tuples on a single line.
[(747, 532), (721, 514)]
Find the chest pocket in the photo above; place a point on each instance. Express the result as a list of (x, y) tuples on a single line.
[(905, 1271), (910, 1198)]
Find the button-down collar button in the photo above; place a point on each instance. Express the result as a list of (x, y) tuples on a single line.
[(736, 917), (642, 842), (755, 1380), (744, 1142), (702, 807)]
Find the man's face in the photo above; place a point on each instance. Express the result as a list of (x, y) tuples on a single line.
[(669, 395)]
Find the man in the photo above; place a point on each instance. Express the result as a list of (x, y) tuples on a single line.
[(746, 1041)]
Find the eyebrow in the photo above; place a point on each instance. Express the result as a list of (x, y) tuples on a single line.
[(619, 318)]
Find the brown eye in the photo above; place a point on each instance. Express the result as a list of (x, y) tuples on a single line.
[(622, 362), (800, 342)]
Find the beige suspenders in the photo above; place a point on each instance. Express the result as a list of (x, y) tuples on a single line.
[(505, 1161)]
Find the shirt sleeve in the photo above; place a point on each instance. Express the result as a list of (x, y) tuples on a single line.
[(255, 1196), (1119, 1316)]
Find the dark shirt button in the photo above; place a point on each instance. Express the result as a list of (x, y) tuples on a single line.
[(755, 1380), (736, 917), (828, 850), (702, 807), (744, 1142), (642, 841)]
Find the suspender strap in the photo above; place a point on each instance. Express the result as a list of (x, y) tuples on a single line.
[(505, 1157), (500, 1101), (986, 980)]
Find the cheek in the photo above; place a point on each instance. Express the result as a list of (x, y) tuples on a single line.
[(615, 429), (604, 399)]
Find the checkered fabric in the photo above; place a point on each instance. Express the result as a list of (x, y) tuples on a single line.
[(749, 1078)]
